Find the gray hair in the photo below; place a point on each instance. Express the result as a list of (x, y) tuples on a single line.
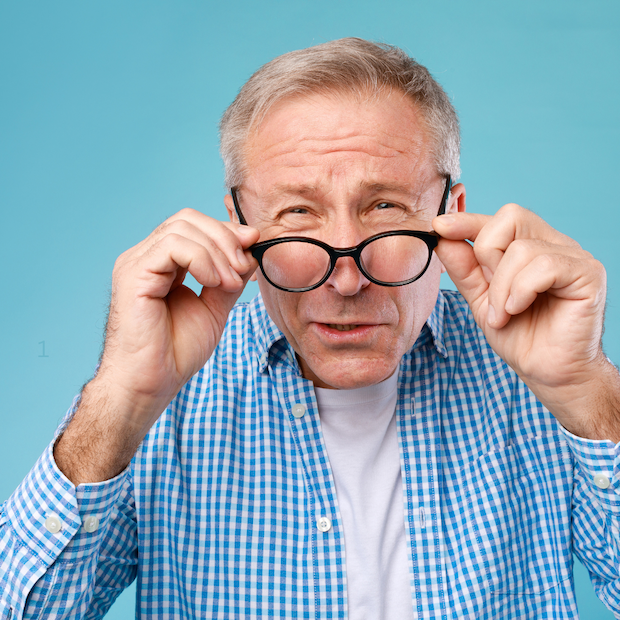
[(349, 65)]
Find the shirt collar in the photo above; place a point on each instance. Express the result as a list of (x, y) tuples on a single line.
[(435, 325), (270, 341)]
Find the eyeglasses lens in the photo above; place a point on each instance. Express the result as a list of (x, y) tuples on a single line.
[(393, 259), (295, 264)]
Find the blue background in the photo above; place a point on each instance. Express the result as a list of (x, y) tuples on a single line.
[(108, 125)]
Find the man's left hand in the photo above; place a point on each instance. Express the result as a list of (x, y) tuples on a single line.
[(539, 298)]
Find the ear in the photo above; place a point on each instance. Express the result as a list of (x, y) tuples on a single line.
[(456, 201), (230, 207)]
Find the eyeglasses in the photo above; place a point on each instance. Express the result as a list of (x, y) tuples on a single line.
[(300, 264)]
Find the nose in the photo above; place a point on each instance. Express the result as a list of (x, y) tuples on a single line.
[(346, 278)]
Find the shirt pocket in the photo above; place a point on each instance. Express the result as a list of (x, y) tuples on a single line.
[(518, 518)]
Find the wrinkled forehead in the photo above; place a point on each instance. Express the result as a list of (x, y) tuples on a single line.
[(319, 140)]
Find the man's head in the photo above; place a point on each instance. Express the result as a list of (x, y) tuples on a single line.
[(339, 164)]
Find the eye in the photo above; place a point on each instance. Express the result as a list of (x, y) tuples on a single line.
[(385, 205), (286, 213)]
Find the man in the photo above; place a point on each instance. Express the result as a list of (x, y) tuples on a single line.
[(351, 442)]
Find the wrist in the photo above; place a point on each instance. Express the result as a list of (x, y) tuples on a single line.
[(104, 433), (589, 405)]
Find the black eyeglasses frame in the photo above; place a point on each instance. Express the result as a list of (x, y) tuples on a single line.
[(430, 238)]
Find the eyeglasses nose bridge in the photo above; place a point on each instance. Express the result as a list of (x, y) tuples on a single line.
[(353, 252)]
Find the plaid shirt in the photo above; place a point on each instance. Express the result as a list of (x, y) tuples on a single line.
[(229, 508)]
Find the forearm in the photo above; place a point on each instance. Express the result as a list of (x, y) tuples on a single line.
[(104, 433)]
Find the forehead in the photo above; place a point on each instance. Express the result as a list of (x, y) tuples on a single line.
[(319, 142)]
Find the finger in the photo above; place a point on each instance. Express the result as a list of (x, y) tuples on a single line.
[(517, 259), (528, 256), (230, 239), (224, 243), (493, 235), (246, 234), (460, 226), (561, 275), (174, 252)]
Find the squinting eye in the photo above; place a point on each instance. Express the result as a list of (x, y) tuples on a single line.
[(385, 205)]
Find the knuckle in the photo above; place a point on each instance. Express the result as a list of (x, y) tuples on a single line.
[(545, 262), (512, 210), (520, 246), (120, 263), (178, 227), (597, 268), (186, 213)]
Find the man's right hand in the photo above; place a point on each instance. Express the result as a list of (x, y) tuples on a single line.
[(159, 334)]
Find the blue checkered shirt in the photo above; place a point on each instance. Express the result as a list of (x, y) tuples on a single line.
[(218, 513)]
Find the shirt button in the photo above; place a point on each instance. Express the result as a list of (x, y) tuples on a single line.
[(53, 524), (601, 481), (324, 524), (91, 524), (298, 411)]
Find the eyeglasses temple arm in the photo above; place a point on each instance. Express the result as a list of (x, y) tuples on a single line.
[(444, 199), (233, 193)]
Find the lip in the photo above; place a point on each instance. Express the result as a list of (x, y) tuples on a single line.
[(358, 335)]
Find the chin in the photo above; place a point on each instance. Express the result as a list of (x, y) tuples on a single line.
[(349, 376)]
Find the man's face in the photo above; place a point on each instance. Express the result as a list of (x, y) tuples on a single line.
[(338, 169)]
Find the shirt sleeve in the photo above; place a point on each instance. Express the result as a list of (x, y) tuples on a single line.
[(65, 551), (596, 514)]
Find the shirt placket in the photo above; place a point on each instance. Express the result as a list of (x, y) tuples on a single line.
[(419, 430), (326, 594)]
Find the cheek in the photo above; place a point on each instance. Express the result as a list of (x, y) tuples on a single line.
[(417, 301)]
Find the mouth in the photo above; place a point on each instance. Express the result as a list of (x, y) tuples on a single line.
[(347, 334), (341, 328), (348, 331)]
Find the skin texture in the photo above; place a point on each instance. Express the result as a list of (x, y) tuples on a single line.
[(340, 169), (540, 300), (336, 157)]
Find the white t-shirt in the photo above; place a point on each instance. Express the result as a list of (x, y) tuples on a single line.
[(359, 428)]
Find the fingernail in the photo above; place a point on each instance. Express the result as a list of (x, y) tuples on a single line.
[(510, 302), (216, 276), (235, 275), (491, 315), (242, 258)]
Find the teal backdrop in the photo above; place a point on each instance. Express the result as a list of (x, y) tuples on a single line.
[(108, 125)]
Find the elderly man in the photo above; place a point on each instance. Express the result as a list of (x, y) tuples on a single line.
[(354, 442)]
